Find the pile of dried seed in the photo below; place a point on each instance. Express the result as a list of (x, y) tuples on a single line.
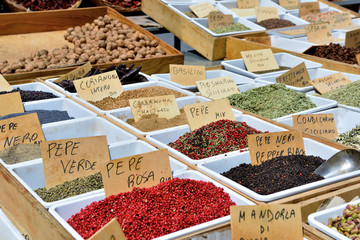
[(21, 153), (336, 52), (273, 23), (28, 95), (351, 138), (45, 116)]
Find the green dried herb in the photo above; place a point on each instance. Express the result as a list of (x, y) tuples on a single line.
[(71, 188), (351, 138), (235, 27), (347, 95), (271, 101)]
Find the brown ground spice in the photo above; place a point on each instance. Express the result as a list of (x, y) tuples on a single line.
[(21, 153), (109, 103), (151, 122)]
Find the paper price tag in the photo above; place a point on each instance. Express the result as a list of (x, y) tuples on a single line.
[(142, 170), (266, 40), (217, 20), (202, 10), (340, 20), (68, 159), (4, 85), (98, 87), (11, 103), (217, 88), (162, 106), (266, 146), (322, 125), (297, 76), (319, 33), (352, 39), (244, 4), (200, 114), (186, 74), (111, 231), (266, 222), (328, 83), (263, 13), (289, 4), (307, 8), (18, 130), (76, 73), (259, 60), (357, 56)]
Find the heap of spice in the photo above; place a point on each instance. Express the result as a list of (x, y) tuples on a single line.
[(147, 213), (276, 174), (152, 122), (271, 101), (351, 138), (319, 17), (336, 52), (214, 138), (45, 116), (109, 103), (235, 27), (71, 188), (273, 23), (21, 153), (349, 223), (125, 3), (347, 95), (41, 5), (28, 95)]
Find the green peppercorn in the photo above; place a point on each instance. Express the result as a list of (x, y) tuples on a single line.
[(231, 28)]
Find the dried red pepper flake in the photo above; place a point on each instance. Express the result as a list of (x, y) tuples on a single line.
[(214, 138), (147, 213), (126, 3), (40, 5)]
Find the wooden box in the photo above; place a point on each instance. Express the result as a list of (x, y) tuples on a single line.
[(21, 34)]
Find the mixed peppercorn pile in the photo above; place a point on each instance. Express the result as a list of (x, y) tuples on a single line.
[(147, 213)]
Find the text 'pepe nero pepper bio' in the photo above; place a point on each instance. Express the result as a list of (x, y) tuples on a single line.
[(147, 213), (214, 138)]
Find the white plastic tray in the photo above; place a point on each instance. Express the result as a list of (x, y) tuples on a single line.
[(321, 5), (203, 23), (64, 211), (356, 24), (339, 37), (286, 16), (86, 127), (238, 79), (164, 137), (31, 174), (185, 7), (277, 32), (135, 86), (215, 167), (283, 59), (289, 44), (7, 229), (313, 74), (121, 115), (319, 220), (38, 86)]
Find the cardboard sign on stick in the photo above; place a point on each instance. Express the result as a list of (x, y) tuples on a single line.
[(259, 60)]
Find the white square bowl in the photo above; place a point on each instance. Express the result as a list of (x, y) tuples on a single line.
[(38, 86), (356, 25), (164, 137), (7, 229), (313, 74), (121, 115), (64, 211), (215, 167), (282, 59), (238, 79), (180, 8), (322, 10), (135, 86), (339, 37), (285, 16), (319, 220), (321, 5)]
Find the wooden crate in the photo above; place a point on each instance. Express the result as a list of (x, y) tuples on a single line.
[(235, 45), (21, 34)]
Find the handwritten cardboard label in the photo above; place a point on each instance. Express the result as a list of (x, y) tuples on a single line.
[(111, 231), (266, 222), (217, 88), (294, 32), (67, 159), (186, 74), (319, 33), (266, 146), (352, 38), (297, 76), (289, 4), (217, 20), (24, 129), (263, 13), (76, 73), (322, 125), (266, 40), (4, 85), (340, 20), (142, 170), (98, 87), (244, 4), (259, 60), (202, 10), (162, 106), (307, 8), (11, 103), (200, 114), (331, 82)]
